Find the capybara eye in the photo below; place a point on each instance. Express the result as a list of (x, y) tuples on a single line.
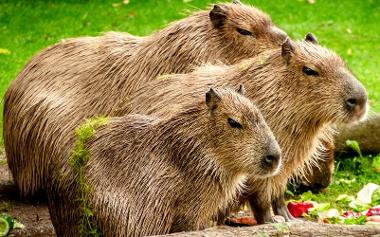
[(244, 32), (234, 123), (310, 72)]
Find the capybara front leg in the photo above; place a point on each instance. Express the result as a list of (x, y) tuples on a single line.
[(279, 208), (261, 209)]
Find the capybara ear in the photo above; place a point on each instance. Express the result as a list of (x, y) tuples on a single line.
[(310, 37), (212, 99), (287, 50), (236, 2), (241, 90), (217, 16)]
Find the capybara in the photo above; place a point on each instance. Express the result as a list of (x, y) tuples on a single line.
[(319, 176), (88, 76), (300, 88), (150, 176)]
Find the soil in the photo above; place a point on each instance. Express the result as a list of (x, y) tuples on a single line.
[(33, 215)]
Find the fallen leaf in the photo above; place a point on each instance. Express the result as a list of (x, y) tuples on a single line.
[(5, 51), (311, 1), (125, 2)]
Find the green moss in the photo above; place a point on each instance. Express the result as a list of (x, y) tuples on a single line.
[(80, 154), (79, 158)]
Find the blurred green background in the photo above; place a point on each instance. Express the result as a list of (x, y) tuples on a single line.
[(351, 28)]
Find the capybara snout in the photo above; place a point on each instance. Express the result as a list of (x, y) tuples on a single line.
[(271, 161), (356, 99)]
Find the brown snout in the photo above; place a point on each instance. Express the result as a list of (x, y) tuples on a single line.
[(272, 158), (356, 101)]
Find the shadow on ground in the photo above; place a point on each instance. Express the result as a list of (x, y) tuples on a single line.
[(34, 216)]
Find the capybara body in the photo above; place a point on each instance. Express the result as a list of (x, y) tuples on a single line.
[(150, 176), (300, 89), (318, 177), (83, 77)]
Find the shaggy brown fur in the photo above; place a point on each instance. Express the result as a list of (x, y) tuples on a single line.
[(79, 78), (151, 176), (300, 89), (319, 177)]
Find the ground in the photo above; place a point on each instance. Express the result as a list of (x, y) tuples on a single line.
[(34, 216), (348, 27)]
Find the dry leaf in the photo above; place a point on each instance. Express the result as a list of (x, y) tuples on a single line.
[(125, 2), (311, 1), (5, 51)]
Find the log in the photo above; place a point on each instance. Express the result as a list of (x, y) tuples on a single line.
[(367, 133), (296, 229)]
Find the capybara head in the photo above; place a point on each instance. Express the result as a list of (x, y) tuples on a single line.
[(320, 81), (241, 138), (249, 29)]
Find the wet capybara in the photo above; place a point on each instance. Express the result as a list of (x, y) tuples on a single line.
[(150, 176), (301, 89), (88, 76), (318, 176)]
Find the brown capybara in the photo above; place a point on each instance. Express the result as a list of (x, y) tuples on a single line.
[(88, 76), (319, 176), (301, 89), (150, 176)]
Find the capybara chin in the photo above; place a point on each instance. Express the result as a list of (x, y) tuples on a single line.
[(83, 77), (150, 176), (301, 89)]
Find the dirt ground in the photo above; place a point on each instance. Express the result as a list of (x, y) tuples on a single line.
[(34, 216)]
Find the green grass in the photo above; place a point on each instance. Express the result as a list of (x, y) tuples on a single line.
[(351, 28), (350, 177)]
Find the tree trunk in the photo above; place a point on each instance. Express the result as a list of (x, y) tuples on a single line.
[(367, 133), (296, 229)]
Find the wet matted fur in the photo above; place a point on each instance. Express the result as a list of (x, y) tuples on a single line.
[(149, 176), (88, 76), (301, 90)]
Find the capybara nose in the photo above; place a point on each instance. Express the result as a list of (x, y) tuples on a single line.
[(356, 103), (356, 100), (351, 103), (272, 159)]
